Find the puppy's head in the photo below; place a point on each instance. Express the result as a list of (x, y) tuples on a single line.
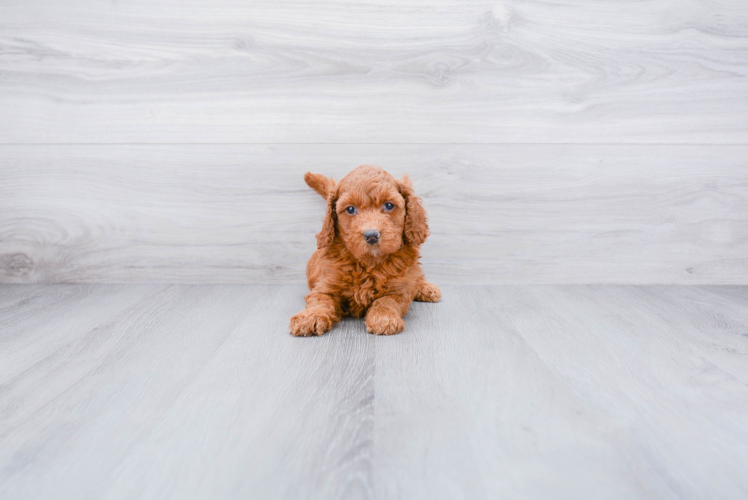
[(373, 213)]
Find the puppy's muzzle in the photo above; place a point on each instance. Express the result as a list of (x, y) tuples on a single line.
[(371, 236)]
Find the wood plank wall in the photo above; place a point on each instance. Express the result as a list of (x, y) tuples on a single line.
[(562, 141)]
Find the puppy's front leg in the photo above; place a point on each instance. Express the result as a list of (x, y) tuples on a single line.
[(385, 316), (322, 311)]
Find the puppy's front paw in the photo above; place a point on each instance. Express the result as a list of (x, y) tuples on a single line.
[(383, 322), (428, 292), (311, 322)]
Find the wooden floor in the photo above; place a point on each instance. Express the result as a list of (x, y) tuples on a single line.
[(176, 391)]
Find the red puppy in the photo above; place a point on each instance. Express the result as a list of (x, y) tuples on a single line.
[(368, 251)]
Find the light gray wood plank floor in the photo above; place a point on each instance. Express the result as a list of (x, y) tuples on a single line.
[(176, 391)]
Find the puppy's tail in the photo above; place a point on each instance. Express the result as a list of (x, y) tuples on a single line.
[(320, 183)]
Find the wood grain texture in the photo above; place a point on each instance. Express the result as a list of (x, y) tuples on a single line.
[(498, 213), (168, 391), (446, 71), (86, 414)]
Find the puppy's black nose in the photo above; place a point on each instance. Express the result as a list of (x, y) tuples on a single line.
[(371, 236)]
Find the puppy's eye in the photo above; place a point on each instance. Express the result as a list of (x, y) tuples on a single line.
[(351, 210), (388, 206)]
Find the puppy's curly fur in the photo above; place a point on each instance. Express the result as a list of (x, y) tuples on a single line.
[(356, 274)]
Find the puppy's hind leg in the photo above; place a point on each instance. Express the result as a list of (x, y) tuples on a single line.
[(428, 292)]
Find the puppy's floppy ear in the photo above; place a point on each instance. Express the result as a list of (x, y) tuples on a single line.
[(320, 183), (416, 228), (327, 234)]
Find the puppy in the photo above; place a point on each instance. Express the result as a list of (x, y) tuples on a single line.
[(366, 261)]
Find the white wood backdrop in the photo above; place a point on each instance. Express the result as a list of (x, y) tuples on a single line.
[(399, 71), (553, 142)]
